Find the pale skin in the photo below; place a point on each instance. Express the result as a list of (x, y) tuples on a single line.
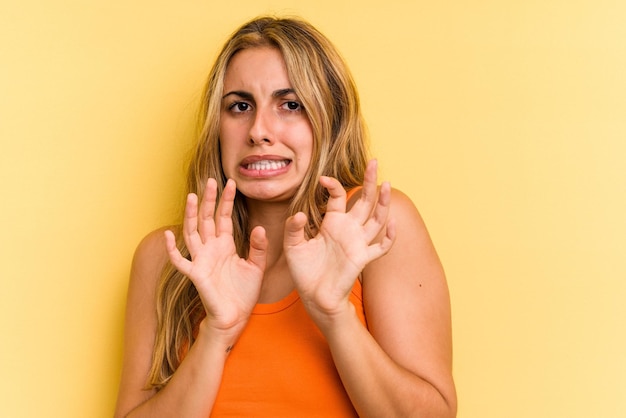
[(400, 366)]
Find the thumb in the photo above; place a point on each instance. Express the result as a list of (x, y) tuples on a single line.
[(294, 230), (257, 254)]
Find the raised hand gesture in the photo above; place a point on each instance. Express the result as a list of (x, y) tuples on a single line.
[(228, 285), (325, 267)]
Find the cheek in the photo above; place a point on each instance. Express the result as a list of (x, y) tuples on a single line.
[(226, 157), (225, 138), (232, 132), (306, 143)]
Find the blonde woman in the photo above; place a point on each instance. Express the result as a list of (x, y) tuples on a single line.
[(295, 286)]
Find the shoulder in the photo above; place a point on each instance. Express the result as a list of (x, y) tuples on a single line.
[(408, 220), (410, 276), (411, 232), (412, 247), (402, 209), (153, 242), (406, 299), (141, 319), (150, 258)]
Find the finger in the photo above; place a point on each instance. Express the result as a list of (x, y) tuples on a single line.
[(176, 258), (206, 221), (258, 247), (337, 198), (378, 218), (294, 230), (190, 224), (381, 248), (363, 207), (223, 215)]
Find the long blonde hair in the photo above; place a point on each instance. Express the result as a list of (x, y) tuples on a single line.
[(323, 83)]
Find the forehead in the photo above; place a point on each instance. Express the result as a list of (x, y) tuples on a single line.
[(256, 67)]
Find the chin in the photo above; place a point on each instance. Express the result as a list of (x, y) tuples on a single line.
[(269, 195)]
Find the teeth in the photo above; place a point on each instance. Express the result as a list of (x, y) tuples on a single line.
[(267, 165)]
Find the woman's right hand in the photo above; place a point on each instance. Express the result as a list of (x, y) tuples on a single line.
[(228, 285)]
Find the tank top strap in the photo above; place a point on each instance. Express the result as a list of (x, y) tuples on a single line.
[(351, 192)]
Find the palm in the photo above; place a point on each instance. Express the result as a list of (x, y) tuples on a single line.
[(228, 285), (325, 267)]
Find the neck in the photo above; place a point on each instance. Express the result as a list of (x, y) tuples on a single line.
[(272, 217)]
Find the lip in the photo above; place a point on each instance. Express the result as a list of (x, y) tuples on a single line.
[(266, 166)]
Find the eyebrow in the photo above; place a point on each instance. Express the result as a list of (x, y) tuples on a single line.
[(283, 92), (247, 96), (242, 94)]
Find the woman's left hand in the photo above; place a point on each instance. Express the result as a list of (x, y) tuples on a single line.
[(325, 267)]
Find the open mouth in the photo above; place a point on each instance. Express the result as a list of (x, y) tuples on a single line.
[(264, 165)]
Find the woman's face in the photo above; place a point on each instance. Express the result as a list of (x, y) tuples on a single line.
[(266, 138)]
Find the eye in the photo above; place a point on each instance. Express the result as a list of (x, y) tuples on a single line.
[(292, 105), (239, 107)]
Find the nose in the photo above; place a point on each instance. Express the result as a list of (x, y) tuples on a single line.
[(260, 130)]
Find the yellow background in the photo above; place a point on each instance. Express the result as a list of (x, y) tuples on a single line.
[(505, 121)]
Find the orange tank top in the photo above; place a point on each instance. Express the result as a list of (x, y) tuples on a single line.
[(281, 366)]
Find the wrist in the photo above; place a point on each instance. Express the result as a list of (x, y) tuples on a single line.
[(330, 321), (222, 340)]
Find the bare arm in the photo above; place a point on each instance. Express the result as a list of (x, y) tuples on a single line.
[(190, 391), (403, 367), (228, 287), (140, 325)]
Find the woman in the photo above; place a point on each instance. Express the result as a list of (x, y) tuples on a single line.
[(262, 300)]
